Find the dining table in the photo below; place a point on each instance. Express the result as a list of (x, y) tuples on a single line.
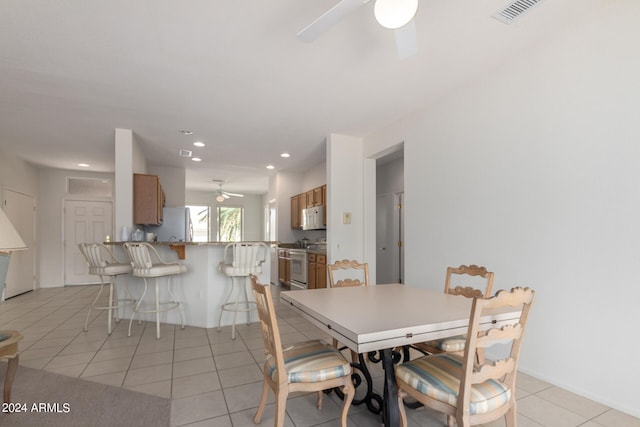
[(380, 318)]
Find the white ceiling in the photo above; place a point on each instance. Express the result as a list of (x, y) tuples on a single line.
[(233, 72)]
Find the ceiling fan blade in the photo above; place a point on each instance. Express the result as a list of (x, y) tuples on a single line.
[(406, 40), (329, 19), (225, 195), (234, 194)]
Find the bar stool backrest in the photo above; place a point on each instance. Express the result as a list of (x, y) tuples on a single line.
[(92, 252), (100, 259), (247, 257), (139, 254)]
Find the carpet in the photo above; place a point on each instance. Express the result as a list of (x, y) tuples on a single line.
[(45, 399)]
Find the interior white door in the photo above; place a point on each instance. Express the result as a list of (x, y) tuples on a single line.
[(20, 209), (384, 239), (398, 221), (84, 222)]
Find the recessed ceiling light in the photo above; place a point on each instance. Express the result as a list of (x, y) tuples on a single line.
[(186, 132), (83, 165), (270, 167), (285, 155), (196, 159), (198, 144)]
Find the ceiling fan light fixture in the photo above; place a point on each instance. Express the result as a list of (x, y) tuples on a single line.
[(219, 198), (394, 14)]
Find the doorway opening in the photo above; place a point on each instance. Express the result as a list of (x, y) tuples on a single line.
[(390, 217)]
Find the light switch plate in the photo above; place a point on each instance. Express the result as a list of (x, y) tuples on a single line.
[(346, 217)]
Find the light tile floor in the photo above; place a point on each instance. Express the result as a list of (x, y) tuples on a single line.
[(215, 381)]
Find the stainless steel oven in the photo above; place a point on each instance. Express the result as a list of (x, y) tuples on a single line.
[(298, 268)]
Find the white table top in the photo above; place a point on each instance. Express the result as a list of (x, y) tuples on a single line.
[(369, 318)]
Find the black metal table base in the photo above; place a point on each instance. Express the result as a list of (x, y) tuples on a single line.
[(386, 405), (373, 401)]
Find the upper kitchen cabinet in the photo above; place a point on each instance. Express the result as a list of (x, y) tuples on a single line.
[(315, 197), (309, 199), (298, 202), (148, 199)]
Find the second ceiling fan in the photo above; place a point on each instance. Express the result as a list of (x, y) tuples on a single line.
[(397, 15), (224, 195)]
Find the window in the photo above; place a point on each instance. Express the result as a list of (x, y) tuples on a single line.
[(200, 222), (229, 223), (93, 187)]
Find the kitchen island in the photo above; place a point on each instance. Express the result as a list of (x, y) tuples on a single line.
[(201, 290)]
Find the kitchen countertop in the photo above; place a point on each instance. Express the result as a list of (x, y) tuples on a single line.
[(310, 249), (179, 247), (266, 242)]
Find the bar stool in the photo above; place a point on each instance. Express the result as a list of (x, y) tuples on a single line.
[(247, 259), (102, 262), (143, 266)]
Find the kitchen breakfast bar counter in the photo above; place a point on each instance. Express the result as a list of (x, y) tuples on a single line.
[(201, 290)]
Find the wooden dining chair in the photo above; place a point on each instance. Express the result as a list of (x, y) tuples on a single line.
[(9, 350), (306, 366), (351, 273), (350, 268), (456, 385), (464, 272)]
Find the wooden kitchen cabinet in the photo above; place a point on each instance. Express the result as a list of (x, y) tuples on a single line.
[(316, 271), (295, 216), (298, 203), (309, 199), (148, 199), (284, 267), (324, 203), (321, 271), (311, 271), (314, 197)]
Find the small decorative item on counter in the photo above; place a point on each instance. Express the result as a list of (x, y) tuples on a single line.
[(107, 239), (124, 234), (137, 235)]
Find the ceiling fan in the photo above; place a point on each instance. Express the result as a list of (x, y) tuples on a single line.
[(224, 195), (397, 15)]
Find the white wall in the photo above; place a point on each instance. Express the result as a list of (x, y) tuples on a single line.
[(173, 181), (50, 218), (315, 177), (22, 177), (286, 185), (532, 171), (129, 160), (17, 175), (390, 177), (345, 195)]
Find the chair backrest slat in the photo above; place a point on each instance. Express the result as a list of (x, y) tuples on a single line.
[(470, 271), (349, 267), (139, 254), (94, 255)]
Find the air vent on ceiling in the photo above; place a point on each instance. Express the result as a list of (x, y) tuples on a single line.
[(185, 153), (514, 10)]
